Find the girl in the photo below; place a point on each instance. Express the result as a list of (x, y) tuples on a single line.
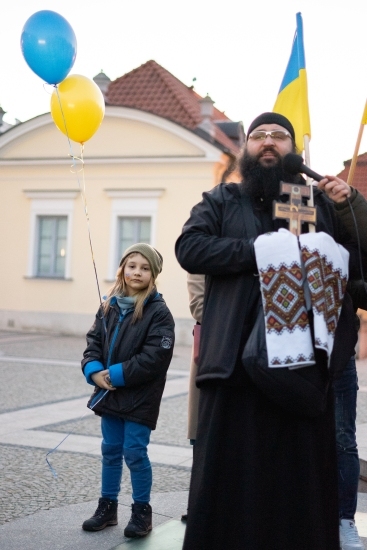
[(129, 349)]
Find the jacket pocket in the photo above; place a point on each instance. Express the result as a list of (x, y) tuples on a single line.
[(120, 400)]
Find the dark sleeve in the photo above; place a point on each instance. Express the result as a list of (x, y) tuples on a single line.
[(95, 340), (359, 207), (154, 357), (357, 260), (202, 249), (358, 292), (357, 257)]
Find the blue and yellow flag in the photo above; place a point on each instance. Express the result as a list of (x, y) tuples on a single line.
[(364, 116), (292, 100)]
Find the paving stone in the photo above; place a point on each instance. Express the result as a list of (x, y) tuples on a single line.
[(165, 433), (26, 482), (27, 486)]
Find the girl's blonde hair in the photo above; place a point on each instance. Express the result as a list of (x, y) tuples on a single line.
[(119, 289)]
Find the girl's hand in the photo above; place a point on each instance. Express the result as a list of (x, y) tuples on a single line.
[(102, 379), (336, 189)]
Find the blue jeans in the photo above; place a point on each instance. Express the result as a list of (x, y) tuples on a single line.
[(345, 389), (128, 440)]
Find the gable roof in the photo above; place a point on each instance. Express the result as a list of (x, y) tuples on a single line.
[(152, 88), (360, 174)]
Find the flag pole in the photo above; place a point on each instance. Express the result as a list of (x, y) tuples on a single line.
[(353, 164), (310, 201)]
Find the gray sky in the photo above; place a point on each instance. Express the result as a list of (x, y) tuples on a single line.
[(236, 50)]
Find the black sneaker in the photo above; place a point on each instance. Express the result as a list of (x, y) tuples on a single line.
[(106, 514), (140, 522)]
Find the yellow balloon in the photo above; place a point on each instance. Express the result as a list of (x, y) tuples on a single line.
[(82, 107)]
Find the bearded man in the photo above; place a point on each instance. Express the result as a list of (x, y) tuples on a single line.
[(262, 478)]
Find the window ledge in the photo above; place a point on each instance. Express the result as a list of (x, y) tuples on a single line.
[(35, 278)]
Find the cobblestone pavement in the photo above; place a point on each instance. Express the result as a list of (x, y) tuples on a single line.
[(26, 482), (164, 434)]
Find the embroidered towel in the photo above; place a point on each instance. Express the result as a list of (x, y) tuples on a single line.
[(288, 335), (326, 265), (281, 270)]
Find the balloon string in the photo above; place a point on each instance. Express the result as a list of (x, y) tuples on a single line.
[(84, 197), (83, 194), (82, 190), (53, 471)]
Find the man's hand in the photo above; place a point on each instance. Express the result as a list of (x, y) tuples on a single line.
[(336, 189), (102, 379)]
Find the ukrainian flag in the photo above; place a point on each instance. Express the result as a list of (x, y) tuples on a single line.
[(364, 116), (292, 100)]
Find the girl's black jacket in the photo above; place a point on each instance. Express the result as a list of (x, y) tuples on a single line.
[(145, 350)]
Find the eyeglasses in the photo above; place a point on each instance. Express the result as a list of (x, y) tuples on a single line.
[(276, 135)]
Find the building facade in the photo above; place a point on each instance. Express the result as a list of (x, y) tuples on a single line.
[(60, 218)]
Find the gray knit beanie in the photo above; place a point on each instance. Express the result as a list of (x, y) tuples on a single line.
[(154, 258)]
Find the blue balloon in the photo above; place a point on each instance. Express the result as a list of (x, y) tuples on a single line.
[(48, 45)]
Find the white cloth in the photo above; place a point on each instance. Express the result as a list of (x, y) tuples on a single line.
[(283, 272), (326, 265)]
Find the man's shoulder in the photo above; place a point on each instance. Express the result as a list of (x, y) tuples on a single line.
[(224, 191)]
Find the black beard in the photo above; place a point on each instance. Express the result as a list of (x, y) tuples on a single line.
[(262, 183)]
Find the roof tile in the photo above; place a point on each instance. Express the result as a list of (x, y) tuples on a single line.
[(152, 88), (360, 174)]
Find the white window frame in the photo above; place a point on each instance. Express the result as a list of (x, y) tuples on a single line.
[(50, 203), (133, 203)]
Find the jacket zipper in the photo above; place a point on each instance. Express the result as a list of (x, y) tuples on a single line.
[(117, 328)]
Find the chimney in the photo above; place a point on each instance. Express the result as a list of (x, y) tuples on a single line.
[(2, 113), (102, 80), (4, 126), (206, 111)]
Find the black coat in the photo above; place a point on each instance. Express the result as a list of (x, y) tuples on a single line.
[(214, 242), (359, 205), (145, 350)]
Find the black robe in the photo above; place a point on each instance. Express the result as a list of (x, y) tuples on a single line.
[(262, 478)]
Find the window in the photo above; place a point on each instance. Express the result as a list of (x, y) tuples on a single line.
[(51, 246), (133, 219), (131, 231), (50, 234)]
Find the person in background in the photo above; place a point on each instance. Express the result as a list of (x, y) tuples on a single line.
[(345, 390), (195, 286)]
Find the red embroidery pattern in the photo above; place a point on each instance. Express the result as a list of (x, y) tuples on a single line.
[(327, 286), (283, 298), (289, 360)]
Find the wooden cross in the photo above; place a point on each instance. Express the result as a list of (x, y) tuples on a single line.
[(294, 211)]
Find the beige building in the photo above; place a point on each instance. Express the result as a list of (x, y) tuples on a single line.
[(159, 147)]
